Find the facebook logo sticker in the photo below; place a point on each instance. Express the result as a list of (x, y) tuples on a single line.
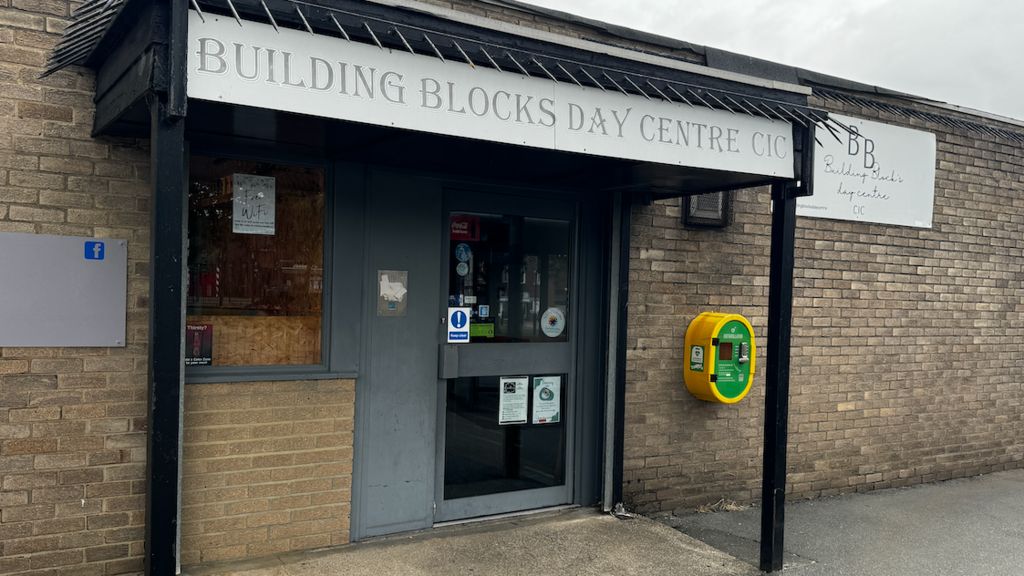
[(94, 250)]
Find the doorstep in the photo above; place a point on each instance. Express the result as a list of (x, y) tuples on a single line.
[(579, 541)]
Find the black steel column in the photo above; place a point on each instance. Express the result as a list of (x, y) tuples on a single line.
[(166, 339), (776, 411), (168, 217), (780, 325)]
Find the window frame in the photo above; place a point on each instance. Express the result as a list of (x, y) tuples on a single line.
[(328, 353)]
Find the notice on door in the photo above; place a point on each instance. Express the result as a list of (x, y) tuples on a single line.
[(547, 399), (512, 400), (458, 324)]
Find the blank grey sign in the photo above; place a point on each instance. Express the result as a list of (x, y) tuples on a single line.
[(62, 290)]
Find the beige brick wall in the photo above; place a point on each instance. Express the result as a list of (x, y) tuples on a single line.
[(267, 468), (679, 450), (906, 343), (72, 427)]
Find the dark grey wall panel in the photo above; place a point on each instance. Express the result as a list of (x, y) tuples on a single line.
[(393, 485)]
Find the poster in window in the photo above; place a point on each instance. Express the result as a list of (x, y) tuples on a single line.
[(513, 396), (465, 227), (547, 399), (253, 204), (198, 344)]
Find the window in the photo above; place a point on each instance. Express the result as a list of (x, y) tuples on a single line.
[(513, 271), (255, 263)]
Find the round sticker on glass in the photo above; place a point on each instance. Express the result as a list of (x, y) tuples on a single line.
[(552, 323), (463, 252), (462, 269)]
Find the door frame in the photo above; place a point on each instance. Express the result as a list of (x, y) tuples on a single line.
[(492, 199), (594, 209)]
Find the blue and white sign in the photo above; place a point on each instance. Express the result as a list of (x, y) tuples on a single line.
[(463, 252), (458, 325), (483, 311), (94, 250)]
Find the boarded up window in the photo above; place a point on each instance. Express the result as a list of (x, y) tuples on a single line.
[(255, 263)]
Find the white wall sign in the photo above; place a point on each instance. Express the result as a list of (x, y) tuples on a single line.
[(289, 70), (253, 203), (62, 290), (885, 175), (512, 399)]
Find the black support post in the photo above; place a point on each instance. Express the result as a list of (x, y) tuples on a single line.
[(776, 412), (167, 252), (166, 339), (780, 327)]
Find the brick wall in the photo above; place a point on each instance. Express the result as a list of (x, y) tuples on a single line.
[(267, 468), (907, 349), (72, 427), (680, 450)]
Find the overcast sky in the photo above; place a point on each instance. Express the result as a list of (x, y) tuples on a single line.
[(964, 52)]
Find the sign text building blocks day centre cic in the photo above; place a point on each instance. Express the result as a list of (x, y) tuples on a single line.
[(293, 71)]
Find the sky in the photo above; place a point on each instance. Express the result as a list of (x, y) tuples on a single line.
[(964, 52)]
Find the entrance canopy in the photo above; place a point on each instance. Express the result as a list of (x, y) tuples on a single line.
[(368, 63), (272, 68)]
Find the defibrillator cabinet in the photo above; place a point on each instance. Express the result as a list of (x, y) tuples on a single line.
[(720, 357)]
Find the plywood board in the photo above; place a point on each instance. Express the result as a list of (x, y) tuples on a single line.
[(263, 340)]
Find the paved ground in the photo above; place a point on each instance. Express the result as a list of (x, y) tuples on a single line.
[(969, 527), (579, 542)]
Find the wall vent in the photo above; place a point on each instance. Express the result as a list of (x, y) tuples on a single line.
[(709, 210)]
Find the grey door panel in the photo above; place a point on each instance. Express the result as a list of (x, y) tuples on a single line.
[(512, 359), (393, 485)]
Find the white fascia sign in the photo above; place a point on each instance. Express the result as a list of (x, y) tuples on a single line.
[(288, 70), (878, 173)]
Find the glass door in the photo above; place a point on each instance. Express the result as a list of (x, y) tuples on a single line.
[(507, 405)]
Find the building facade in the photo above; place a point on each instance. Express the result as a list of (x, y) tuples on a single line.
[(891, 385), (323, 403)]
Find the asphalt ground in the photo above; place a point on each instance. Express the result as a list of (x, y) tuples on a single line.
[(966, 527)]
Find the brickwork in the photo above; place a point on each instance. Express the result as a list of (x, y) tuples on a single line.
[(267, 468), (72, 426), (906, 343)]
